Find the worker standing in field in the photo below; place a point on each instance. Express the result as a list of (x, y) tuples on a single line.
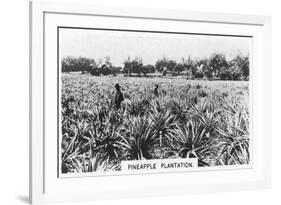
[(118, 97), (156, 92)]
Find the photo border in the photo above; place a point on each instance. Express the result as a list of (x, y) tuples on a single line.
[(36, 88)]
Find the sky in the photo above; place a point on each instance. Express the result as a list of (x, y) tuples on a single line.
[(120, 45)]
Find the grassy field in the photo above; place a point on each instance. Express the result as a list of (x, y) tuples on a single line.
[(208, 120)]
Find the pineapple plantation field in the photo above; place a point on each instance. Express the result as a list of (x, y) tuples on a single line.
[(207, 120)]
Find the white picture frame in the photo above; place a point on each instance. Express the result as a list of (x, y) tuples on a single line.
[(47, 187)]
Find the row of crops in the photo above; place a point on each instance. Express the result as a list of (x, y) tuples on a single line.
[(204, 120)]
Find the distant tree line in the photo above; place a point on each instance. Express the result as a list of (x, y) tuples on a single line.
[(216, 67)]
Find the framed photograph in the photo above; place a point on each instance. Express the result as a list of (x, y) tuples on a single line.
[(129, 102)]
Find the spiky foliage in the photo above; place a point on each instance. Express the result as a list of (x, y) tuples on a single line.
[(141, 138), (209, 121), (235, 148)]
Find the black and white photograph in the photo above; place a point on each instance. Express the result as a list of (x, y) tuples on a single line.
[(135, 100)]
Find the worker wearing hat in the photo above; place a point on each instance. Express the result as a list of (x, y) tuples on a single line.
[(118, 97)]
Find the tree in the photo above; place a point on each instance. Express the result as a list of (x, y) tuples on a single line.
[(225, 74), (190, 67), (84, 64), (66, 64), (148, 69), (231, 73), (72, 64), (106, 67), (133, 66), (242, 62), (164, 65), (216, 63), (94, 68), (236, 73), (203, 68), (198, 72), (179, 68), (107, 61)]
